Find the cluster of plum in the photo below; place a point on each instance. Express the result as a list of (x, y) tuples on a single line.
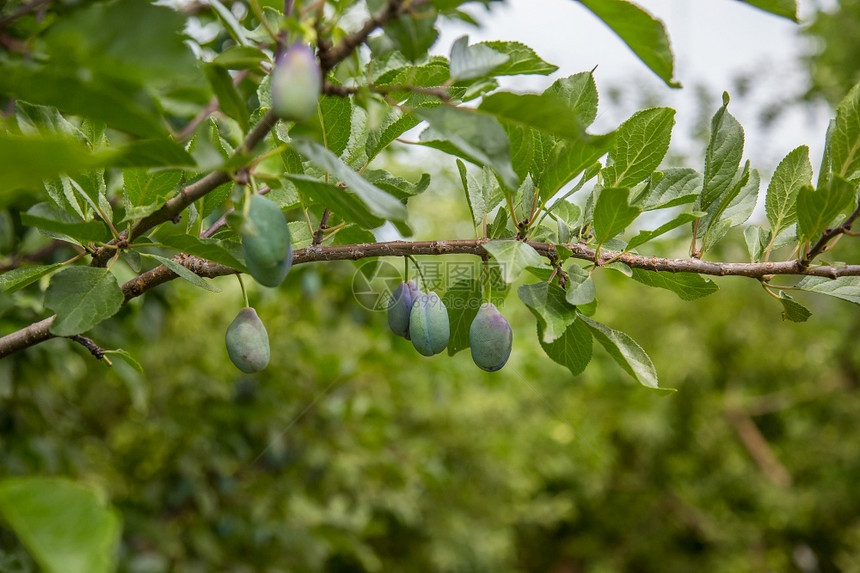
[(423, 319), (419, 317)]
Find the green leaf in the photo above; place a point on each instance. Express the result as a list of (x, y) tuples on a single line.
[(470, 62), (513, 258), (792, 173), (521, 60), (144, 188), (67, 527), (336, 118), (741, 207), (411, 34), (643, 33), (579, 93), (580, 290), (339, 200), (395, 124), (845, 137), (479, 137), (612, 213), (752, 238), (16, 279), (846, 288), (59, 224), (568, 159), (126, 356), (722, 156), (462, 300), (625, 351), (688, 286), (148, 153), (229, 100), (241, 58), (784, 8), (641, 144), (120, 106), (793, 311), (816, 210), (184, 273), (377, 201), (572, 349), (82, 297), (672, 187), (28, 160), (545, 112), (547, 302), (645, 236), (481, 194)]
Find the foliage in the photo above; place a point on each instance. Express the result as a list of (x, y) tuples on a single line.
[(138, 139)]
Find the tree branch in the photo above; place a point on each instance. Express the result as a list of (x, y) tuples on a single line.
[(343, 91), (40, 331)]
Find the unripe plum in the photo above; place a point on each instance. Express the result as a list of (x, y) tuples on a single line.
[(400, 307), (490, 338), (296, 84), (248, 342), (266, 242), (429, 328)]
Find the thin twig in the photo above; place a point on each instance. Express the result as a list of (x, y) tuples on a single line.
[(95, 349), (318, 235), (829, 234), (344, 91)]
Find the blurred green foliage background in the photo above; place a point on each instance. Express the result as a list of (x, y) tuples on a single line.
[(351, 452)]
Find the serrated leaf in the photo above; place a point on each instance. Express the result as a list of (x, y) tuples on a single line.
[(674, 186), (186, 274), (395, 124), (338, 199), (645, 236), (16, 279), (580, 290), (482, 194), (641, 142), (521, 59), (643, 33), (722, 156), (47, 514), (513, 258), (845, 137), (545, 112), (547, 302), (572, 349), (82, 297), (792, 310), (478, 136), (579, 93), (28, 160), (846, 288), (568, 159), (377, 201), (741, 207), (142, 187), (59, 224), (752, 238), (336, 119), (792, 173), (411, 34), (688, 286), (612, 213), (462, 300), (470, 62), (625, 351), (816, 209)]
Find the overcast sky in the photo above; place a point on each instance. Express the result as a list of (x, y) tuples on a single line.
[(714, 42)]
